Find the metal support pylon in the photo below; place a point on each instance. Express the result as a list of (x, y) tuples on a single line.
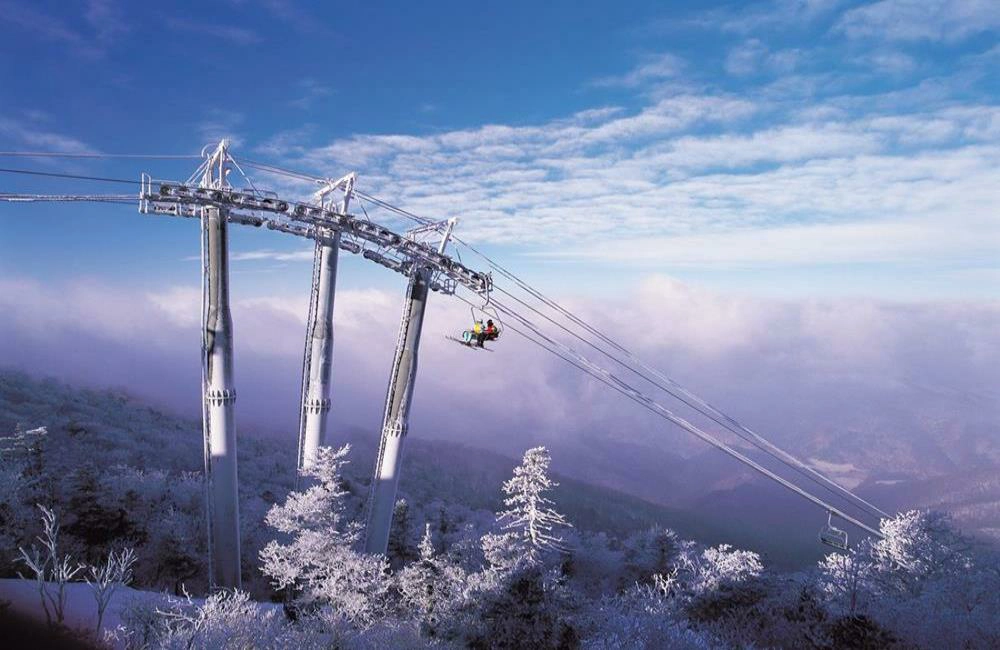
[(395, 421), (218, 387), (317, 360)]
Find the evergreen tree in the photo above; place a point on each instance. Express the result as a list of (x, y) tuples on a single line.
[(431, 588), (318, 566), (400, 548), (529, 525), (529, 612)]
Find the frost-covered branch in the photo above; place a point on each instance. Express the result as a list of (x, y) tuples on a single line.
[(105, 578), (51, 570)]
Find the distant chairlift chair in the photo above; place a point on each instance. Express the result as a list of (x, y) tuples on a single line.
[(833, 536)]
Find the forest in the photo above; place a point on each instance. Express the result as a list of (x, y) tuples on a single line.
[(101, 489)]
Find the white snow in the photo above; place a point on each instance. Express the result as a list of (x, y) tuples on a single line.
[(81, 608), (845, 474), (833, 468)]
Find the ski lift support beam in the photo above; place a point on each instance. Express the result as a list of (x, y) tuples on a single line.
[(397, 252)]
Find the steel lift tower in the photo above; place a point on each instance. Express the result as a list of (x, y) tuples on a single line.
[(395, 422), (318, 357), (218, 387)]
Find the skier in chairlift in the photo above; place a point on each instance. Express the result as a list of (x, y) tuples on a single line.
[(478, 334), (483, 334)]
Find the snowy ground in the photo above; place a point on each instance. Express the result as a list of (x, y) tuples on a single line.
[(81, 608)]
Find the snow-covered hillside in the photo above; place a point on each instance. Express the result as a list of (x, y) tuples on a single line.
[(483, 553)]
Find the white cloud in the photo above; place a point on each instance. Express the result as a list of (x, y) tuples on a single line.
[(90, 34), (47, 27), (221, 123), (846, 243), (745, 58), (232, 34), (796, 154), (38, 139), (749, 355), (916, 20), (890, 62), (311, 91), (753, 56), (693, 164), (276, 256), (179, 305), (653, 68), (774, 15)]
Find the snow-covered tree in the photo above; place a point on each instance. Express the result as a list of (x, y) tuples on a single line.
[(916, 547), (178, 542), (431, 589), (101, 511), (931, 587), (642, 616), (528, 608), (400, 549), (426, 546), (845, 579), (227, 619), (318, 565), (16, 453), (719, 566), (649, 552), (314, 520), (231, 620), (529, 525)]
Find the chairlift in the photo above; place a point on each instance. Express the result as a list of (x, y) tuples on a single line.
[(471, 337), (833, 536)]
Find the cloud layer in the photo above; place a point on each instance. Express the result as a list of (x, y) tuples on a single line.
[(807, 372)]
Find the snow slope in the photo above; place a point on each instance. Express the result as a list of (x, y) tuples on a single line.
[(81, 609)]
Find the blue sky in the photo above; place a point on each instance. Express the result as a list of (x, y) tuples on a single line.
[(773, 185), (792, 148)]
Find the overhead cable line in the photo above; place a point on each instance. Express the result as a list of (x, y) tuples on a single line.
[(273, 169), (732, 422), (31, 172), (392, 208), (68, 154), (714, 413), (92, 198), (684, 396), (608, 378)]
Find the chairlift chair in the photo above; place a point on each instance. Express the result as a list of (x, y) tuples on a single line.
[(833, 536), (469, 336)]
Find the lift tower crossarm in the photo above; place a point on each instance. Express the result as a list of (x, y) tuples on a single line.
[(395, 251)]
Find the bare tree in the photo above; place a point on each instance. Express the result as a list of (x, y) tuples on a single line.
[(105, 578), (52, 572)]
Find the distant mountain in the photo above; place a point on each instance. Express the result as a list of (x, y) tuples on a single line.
[(972, 498), (114, 429)]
